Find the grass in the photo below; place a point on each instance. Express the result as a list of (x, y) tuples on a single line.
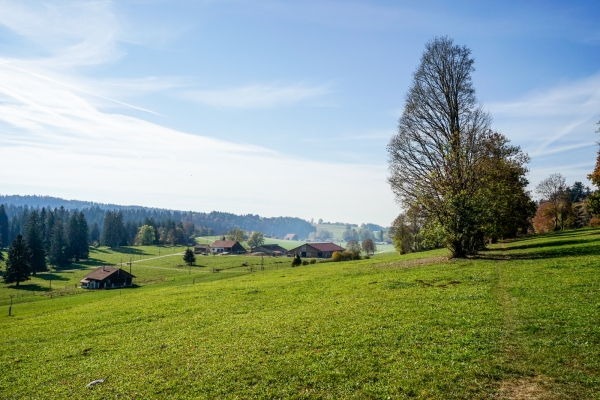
[(521, 317)]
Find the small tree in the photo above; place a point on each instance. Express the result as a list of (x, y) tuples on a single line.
[(368, 246), (236, 234), (255, 240), (146, 235), (17, 262), (189, 257)]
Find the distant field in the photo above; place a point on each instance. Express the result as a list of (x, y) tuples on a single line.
[(518, 321)]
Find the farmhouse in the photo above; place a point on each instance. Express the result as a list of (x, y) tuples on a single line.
[(270, 249), (106, 278), (315, 250), (227, 246), (290, 236), (201, 249)]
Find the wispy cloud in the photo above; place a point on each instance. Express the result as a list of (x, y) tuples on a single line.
[(55, 140), (258, 96), (556, 126)]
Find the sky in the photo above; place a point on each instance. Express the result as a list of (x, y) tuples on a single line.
[(276, 108)]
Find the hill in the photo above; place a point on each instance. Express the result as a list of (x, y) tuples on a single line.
[(218, 222), (520, 319)]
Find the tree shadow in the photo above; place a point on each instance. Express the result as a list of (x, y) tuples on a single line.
[(30, 287), (129, 250), (545, 251), (50, 277), (548, 244)]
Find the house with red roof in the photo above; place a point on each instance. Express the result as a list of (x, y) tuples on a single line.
[(315, 250), (227, 246)]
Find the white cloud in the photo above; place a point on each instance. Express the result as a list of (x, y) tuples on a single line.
[(257, 96), (556, 126), (55, 140)]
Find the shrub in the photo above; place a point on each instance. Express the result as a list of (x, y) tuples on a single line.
[(347, 255), (304, 262), (296, 260), (595, 221), (336, 256), (313, 261)]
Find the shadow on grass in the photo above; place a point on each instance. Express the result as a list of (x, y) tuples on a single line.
[(50, 277), (546, 251), (548, 244), (30, 287)]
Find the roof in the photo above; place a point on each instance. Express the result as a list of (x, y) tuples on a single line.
[(326, 247), (202, 246), (320, 247), (101, 273), (223, 243)]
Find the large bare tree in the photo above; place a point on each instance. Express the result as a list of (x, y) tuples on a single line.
[(438, 158)]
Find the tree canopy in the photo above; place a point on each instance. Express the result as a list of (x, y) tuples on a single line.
[(444, 157)]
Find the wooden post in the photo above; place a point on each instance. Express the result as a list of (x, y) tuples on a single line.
[(10, 307)]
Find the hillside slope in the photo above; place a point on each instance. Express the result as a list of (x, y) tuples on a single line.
[(521, 318)]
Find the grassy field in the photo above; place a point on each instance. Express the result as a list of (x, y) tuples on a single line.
[(519, 320)]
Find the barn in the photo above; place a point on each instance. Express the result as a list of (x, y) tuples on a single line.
[(107, 278), (315, 250)]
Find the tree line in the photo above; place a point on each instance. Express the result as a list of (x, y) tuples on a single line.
[(205, 223), (52, 237)]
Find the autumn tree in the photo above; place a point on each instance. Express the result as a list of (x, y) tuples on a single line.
[(554, 191), (593, 201), (368, 246), (438, 158)]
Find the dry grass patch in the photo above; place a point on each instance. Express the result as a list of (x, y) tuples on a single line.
[(527, 388)]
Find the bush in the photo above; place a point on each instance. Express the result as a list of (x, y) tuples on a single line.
[(336, 256), (304, 262), (296, 260), (347, 255), (313, 261)]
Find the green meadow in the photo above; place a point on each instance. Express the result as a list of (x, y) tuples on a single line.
[(518, 321)]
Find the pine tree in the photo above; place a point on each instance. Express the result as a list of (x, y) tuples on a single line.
[(50, 222), (84, 243), (17, 262), (58, 246), (95, 232), (35, 243), (4, 239), (189, 257)]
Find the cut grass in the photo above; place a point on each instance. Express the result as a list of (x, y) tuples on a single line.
[(522, 315)]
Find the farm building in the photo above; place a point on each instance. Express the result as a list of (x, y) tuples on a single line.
[(290, 236), (270, 249), (107, 278), (201, 249), (227, 246), (315, 250)]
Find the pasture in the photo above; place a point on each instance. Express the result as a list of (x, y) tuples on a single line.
[(520, 319)]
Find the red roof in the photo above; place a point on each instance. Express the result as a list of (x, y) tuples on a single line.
[(326, 247), (320, 247), (223, 243)]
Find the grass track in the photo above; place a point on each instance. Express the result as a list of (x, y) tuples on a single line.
[(522, 316)]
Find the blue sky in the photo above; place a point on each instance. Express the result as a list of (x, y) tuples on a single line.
[(273, 107)]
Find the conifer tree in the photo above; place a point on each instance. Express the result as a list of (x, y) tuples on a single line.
[(4, 239), (84, 243), (50, 222), (58, 246), (17, 262), (35, 243), (189, 257)]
